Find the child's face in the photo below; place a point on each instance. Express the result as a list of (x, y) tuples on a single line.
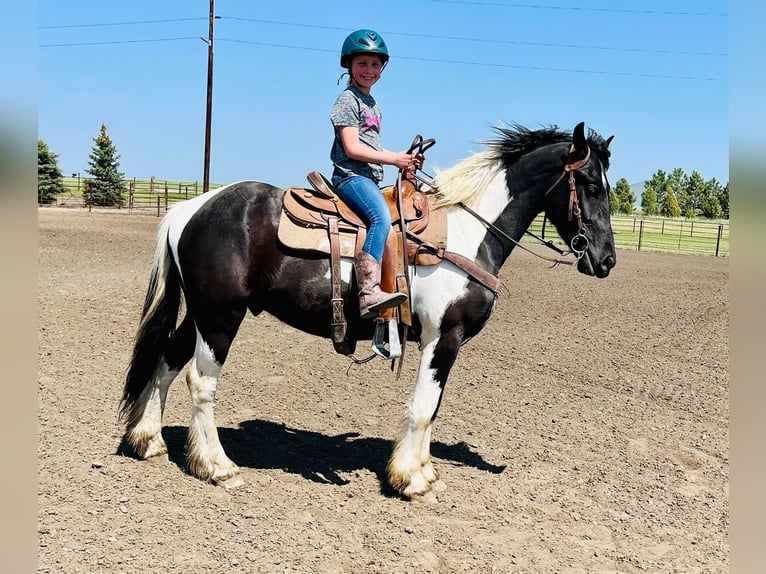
[(365, 70)]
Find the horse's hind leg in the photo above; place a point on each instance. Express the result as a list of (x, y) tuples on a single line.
[(143, 429), (206, 458)]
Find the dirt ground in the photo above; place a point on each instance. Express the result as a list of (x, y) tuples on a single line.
[(585, 430)]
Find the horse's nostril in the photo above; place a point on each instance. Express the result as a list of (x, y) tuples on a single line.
[(609, 262)]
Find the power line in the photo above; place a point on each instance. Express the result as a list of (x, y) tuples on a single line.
[(581, 8), (466, 63), (117, 42), (482, 40), (60, 26), (412, 35), (419, 59)]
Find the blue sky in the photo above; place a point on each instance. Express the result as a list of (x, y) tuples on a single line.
[(651, 72)]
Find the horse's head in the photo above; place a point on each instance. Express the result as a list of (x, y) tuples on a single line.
[(578, 203)]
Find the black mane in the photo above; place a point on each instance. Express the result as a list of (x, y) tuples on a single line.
[(517, 140)]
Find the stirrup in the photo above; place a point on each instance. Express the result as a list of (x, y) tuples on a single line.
[(386, 332)]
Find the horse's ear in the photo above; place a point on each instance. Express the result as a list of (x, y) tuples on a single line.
[(609, 140), (580, 143)]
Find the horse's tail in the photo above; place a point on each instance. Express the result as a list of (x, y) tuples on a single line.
[(158, 320)]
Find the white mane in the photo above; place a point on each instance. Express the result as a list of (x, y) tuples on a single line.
[(467, 181)]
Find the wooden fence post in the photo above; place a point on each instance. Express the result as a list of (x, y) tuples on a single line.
[(166, 195), (640, 232)]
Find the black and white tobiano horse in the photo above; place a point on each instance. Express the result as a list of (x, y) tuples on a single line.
[(221, 252)]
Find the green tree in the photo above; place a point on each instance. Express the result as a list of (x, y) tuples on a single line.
[(625, 196), (649, 202), (106, 187), (696, 191), (710, 207), (669, 205), (658, 182), (721, 194), (50, 182), (614, 201)]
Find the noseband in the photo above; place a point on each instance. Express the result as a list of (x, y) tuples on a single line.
[(579, 243)]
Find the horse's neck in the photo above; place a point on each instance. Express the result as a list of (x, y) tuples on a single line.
[(512, 215), (466, 233)]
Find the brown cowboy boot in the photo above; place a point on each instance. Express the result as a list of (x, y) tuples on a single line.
[(371, 298)]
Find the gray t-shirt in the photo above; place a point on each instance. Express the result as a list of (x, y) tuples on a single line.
[(354, 108)]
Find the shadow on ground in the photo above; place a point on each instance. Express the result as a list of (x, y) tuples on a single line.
[(315, 456)]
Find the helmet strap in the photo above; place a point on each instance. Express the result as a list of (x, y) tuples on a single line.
[(346, 73)]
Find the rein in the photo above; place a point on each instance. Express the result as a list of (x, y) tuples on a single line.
[(579, 243)]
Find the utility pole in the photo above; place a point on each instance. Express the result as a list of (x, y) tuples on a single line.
[(208, 115)]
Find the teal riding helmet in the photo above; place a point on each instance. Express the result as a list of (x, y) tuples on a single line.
[(363, 42)]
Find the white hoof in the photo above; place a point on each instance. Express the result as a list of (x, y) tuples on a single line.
[(426, 498), (230, 483), (439, 486)]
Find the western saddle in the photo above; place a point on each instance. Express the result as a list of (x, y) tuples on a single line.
[(317, 219)]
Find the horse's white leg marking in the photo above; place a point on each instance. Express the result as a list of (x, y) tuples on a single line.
[(206, 457), (405, 469), (429, 472), (144, 427)]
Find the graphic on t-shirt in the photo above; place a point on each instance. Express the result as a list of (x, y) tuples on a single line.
[(370, 121)]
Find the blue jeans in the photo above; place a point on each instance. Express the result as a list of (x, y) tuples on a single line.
[(364, 197)]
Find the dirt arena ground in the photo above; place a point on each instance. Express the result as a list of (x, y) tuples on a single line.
[(585, 430)]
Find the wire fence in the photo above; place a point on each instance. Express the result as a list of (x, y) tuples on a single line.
[(635, 232), (657, 234)]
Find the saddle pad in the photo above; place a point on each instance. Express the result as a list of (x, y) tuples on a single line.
[(313, 238), (303, 238)]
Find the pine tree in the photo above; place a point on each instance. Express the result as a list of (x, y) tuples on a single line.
[(625, 196), (711, 208), (50, 182), (658, 182), (614, 201), (669, 206), (723, 200), (106, 187), (649, 202)]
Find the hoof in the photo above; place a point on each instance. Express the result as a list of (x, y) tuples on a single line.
[(230, 483), (439, 486), (158, 458), (425, 498), (146, 446)]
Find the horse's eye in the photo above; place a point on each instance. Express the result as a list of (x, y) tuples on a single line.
[(593, 188)]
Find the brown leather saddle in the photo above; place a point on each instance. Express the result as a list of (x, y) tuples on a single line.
[(343, 234), (313, 207), (318, 220)]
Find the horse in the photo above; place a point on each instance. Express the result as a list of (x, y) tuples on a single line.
[(220, 252)]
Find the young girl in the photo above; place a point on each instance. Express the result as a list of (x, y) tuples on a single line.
[(358, 157)]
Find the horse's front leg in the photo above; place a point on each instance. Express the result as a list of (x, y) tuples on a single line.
[(206, 458), (410, 470)]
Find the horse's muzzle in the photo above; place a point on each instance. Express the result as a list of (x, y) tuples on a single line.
[(600, 270)]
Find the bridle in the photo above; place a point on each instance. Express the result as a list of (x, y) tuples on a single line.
[(579, 243)]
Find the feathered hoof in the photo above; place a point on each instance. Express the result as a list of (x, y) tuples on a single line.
[(147, 446), (424, 498), (230, 483)]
